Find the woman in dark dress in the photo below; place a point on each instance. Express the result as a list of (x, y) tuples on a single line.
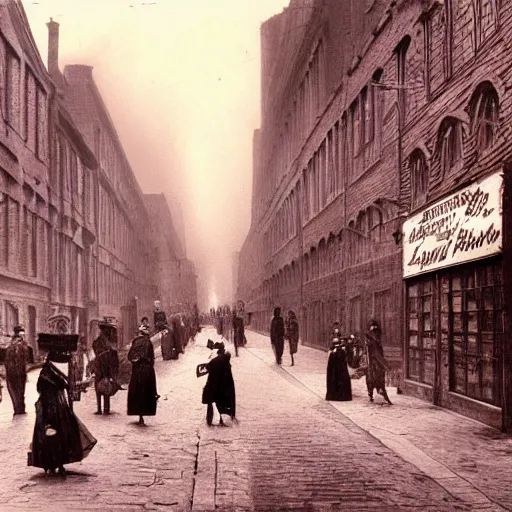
[(292, 333), (220, 386), (339, 386), (59, 436), (142, 393)]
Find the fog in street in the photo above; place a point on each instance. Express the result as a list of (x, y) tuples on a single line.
[(181, 81)]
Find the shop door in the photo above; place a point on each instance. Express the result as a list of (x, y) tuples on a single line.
[(422, 333)]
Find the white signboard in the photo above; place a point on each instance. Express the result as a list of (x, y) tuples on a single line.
[(462, 227)]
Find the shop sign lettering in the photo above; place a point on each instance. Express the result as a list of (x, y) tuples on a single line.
[(463, 227)]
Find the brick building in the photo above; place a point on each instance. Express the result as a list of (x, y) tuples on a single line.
[(73, 223), (178, 280), (372, 113)]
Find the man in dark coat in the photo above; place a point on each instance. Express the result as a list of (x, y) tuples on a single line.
[(159, 317), (220, 386), (238, 332), (377, 364), (17, 357), (277, 332), (106, 364)]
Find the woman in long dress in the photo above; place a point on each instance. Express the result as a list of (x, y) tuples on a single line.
[(292, 333), (59, 436), (142, 393), (339, 386)]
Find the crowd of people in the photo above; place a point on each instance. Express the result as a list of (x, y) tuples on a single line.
[(61, 438)]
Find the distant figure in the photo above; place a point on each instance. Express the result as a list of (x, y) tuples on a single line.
[(59, 436), (292, 333), (376, 363), (17, 357), (339, 386), (220, 386), (277, 333), (105, 367), (238, 332), (159, 317), (142, 393)]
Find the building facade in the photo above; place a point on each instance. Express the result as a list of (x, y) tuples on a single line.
[(380, 121), (27, 207), (177, 276), (73, 222)]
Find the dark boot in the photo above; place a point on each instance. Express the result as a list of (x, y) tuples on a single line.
[(98, 403), (209, 414), (106, 404)]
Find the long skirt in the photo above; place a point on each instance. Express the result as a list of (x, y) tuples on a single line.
[(294, 343), (16, 387), (142, 394), (339, 386), (167, 348), (72, 442)]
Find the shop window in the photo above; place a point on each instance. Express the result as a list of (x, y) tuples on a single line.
[(450, 145), (421, 331), (484, 108), (476, 302), (419, 178)]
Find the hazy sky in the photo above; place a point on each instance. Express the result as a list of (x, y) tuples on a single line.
[(181, 80)]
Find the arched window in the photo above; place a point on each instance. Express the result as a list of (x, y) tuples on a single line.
[(484, 109), (419, 177), (450, 144), (322, 255), (306, 268)]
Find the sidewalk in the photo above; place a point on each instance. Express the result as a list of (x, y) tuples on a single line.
[(471, 461)]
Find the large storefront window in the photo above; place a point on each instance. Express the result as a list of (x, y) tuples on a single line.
[(469, 300), (422, 338), (474, 296)]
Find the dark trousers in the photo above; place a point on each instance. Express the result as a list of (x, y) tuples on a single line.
[(16, 387), (279, 349), (106, 402)]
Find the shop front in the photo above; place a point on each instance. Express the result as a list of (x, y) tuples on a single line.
[(455, 319)]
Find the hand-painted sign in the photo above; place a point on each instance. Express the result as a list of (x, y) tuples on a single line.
[(462, 227)]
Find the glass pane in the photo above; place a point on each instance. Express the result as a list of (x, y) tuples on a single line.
[(413, 323), (457, 302), (426, 302), (445, 284), (498, 297), (413, 305), (413, 340), (473, 321), (445, 321), (413, 290), (471, 300), (473, 377), (459, 374), (470, 280), (456, 285), (429, 342), (487, 298), (487, 321), (429, 367), (427, 286), (457, 322), (427, 322), (472, 344)]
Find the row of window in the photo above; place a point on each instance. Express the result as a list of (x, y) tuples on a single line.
[(23, 101), (453, 142), (298, 122)]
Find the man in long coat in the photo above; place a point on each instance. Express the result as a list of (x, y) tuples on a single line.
[(277, 333), (106, 364), (17, 357)]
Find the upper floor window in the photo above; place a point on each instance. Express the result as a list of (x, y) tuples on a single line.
[(419, 177), (450, 144), (13, 91), (484, 108), (486, 18)]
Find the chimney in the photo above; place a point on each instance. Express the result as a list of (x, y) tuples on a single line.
[(53, 47)]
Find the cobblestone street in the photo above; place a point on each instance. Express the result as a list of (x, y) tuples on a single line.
[(291, 450)]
